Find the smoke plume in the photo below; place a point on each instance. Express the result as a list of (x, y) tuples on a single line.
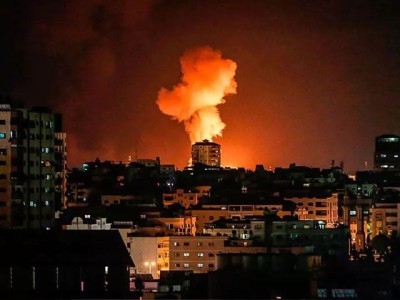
[(206, 79)]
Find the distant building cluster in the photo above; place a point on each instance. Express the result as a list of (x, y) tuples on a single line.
[(121, 230)]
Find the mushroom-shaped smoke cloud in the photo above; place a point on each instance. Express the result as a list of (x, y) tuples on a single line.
[(206, 79)]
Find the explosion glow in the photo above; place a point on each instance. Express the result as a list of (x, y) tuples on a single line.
[(206, 79)]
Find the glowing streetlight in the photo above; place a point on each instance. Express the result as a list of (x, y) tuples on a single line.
[(150, 265)]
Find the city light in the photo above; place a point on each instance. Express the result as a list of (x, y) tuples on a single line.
[(150, 265)]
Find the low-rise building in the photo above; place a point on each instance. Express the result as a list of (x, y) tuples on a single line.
[(209, 213), (186, 199), (324, 209), (237, 229), (89, 224), (127, 200), (385, 218), (196, 253), (309, 233), (179, 225)]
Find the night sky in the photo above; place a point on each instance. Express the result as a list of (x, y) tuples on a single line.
[(316, 80)]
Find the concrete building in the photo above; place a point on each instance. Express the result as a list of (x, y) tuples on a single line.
[(179, 225), (211, 212), (60, 148), (356, 217), (186, 198), (387, 153), (324, 209), (32, 168), (150, 254), (196, 253), (79, 224), (385, 218), (310, 233), (248, 229), (207, 153), (363, 189)]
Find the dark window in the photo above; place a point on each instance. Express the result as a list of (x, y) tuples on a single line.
[(186, 244), (3, 151), (2, 122), (2, 162), (2, 203), (3, 176)]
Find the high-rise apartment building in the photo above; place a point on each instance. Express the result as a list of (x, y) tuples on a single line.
[(387, 153), (32, 167), (207, 153)]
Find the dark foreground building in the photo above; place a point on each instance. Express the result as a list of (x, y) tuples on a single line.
[(63, 264)]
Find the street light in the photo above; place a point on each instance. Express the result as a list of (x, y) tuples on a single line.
[(150, 264)]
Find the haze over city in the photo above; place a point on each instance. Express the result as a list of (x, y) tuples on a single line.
[(316, 81)]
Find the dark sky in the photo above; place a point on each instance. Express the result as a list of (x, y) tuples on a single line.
[(317, 80)]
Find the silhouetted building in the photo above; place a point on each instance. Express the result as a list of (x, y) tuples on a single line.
[(207, 153), (63, 264), (387, 152)]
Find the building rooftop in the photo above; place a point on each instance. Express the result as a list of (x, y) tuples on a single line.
[(206, 143)]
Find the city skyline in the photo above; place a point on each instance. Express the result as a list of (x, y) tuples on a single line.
[(316, 82)]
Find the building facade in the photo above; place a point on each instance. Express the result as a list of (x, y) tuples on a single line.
[(29, 189), (207, 153), (385, 218), (387, 153), (324, 209)]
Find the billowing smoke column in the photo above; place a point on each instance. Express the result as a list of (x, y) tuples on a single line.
[(206, 79)]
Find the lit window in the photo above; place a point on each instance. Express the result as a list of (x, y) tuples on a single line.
[(200, 254), (200, 265), (2, 135), (186, 254), (186, 265), (176, 244)]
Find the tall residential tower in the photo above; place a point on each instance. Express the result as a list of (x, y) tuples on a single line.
[(207, 153), (32, 167)]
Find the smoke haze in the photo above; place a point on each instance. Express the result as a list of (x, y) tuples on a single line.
[(317, 80)]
